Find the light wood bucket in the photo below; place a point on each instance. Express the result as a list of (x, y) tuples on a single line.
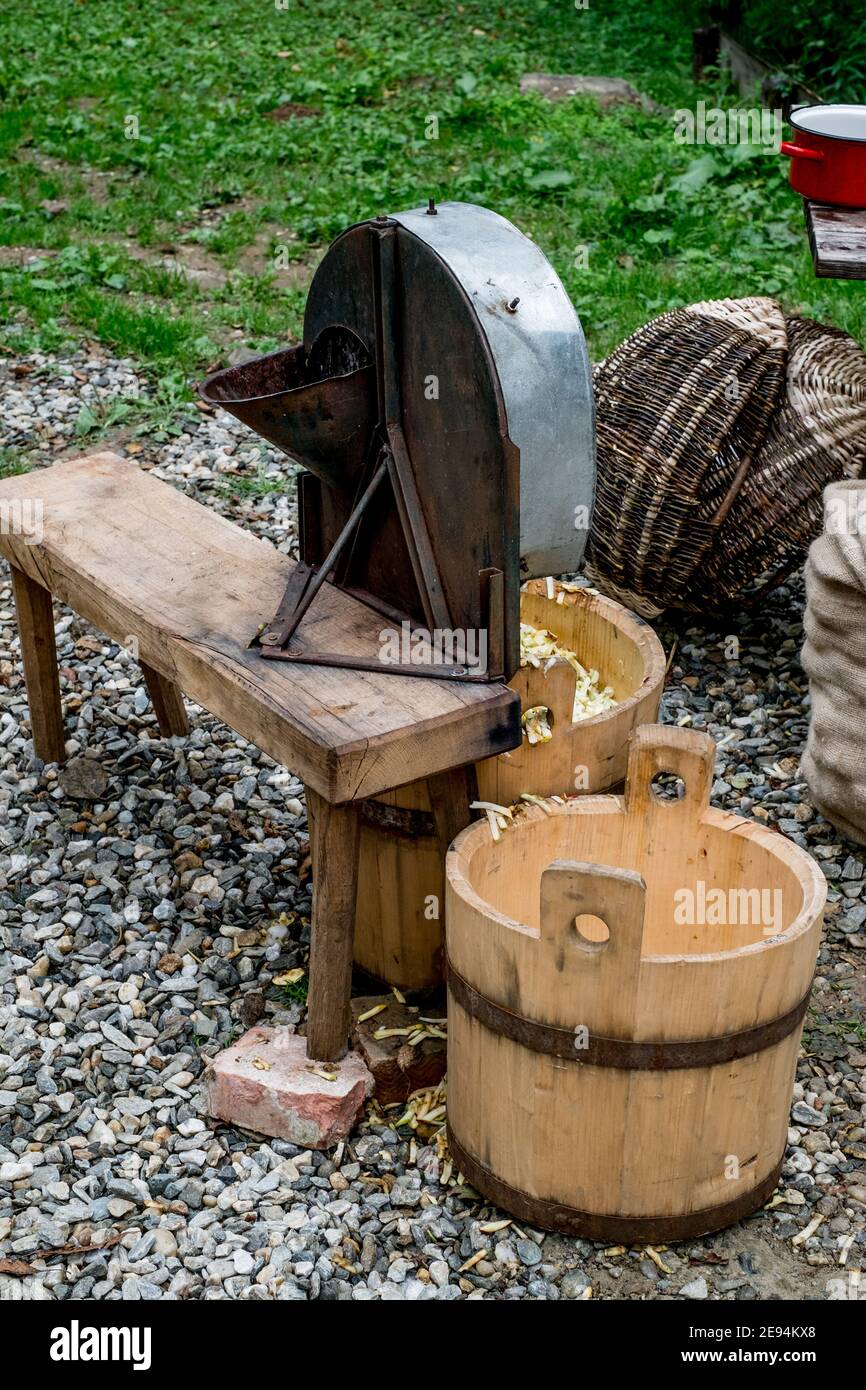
[(635, 1089), (401, 870)]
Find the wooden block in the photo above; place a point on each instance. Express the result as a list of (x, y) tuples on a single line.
[(397, 1068), (837, 240)]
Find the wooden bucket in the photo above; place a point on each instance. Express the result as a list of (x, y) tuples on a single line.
[(636, 1088), (591, 755), (401, 879)]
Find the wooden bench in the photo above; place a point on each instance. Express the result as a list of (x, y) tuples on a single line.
[(188, 589)]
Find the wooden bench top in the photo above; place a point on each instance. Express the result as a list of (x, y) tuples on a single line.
[(138, 559), (837, 239)]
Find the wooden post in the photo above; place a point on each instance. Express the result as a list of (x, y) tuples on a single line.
[(35, 612), (705, 51), (334, 837), (450, 795), (167, 702)]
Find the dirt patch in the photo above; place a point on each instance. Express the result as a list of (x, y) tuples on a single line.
[(17, 257), (742, 1262), (607, 91), (258, 258), (188, 258), (292, 111), (193, 261), (95, 181)]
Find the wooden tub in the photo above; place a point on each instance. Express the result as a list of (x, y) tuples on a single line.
[(627, 982), (401, 883)]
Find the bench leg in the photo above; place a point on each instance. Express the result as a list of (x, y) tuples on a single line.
[(450, 796), (35, 612), (167, 702), (334, 838)]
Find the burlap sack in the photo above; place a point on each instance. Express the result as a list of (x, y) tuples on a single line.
[(834, 658)]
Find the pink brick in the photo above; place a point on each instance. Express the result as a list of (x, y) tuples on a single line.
[(285, 1098)]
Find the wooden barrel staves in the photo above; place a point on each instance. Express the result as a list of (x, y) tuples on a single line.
[(400, 902), (401, 872), (628, 978)]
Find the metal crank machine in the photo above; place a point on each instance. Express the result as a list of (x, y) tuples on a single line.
[(441, 408)]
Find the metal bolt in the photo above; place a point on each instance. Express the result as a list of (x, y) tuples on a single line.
[(432, 210), (269, 639), (512, 304)]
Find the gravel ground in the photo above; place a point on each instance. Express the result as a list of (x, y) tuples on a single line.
[(150, 892)]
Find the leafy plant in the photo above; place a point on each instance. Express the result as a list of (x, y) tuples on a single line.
[(296, 992), (821, 45), (100, 416)]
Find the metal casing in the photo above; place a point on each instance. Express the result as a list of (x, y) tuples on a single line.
[(540, 355)]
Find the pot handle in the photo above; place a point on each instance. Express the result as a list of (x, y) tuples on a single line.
[(799, 151)]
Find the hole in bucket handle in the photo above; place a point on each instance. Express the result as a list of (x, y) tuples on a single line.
[(592, 932), (667, 787), (670, 768)]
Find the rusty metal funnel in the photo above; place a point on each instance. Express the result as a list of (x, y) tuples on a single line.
[(317, 407)]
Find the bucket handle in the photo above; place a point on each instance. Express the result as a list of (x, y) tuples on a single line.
[(601, 977), (554, 691), (656, 749), (572, 890)]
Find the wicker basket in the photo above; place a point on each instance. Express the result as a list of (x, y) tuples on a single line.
[(719, 426)]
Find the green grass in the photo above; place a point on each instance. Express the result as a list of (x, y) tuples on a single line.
[(11, 464), (254, 487), (295, 993), (131, 131)]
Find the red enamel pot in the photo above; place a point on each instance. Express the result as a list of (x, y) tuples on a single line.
[(828, 154)]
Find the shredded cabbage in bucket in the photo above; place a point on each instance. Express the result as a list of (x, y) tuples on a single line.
[(540, 649)]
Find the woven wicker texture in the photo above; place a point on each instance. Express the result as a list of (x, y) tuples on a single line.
[(719, 426)]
